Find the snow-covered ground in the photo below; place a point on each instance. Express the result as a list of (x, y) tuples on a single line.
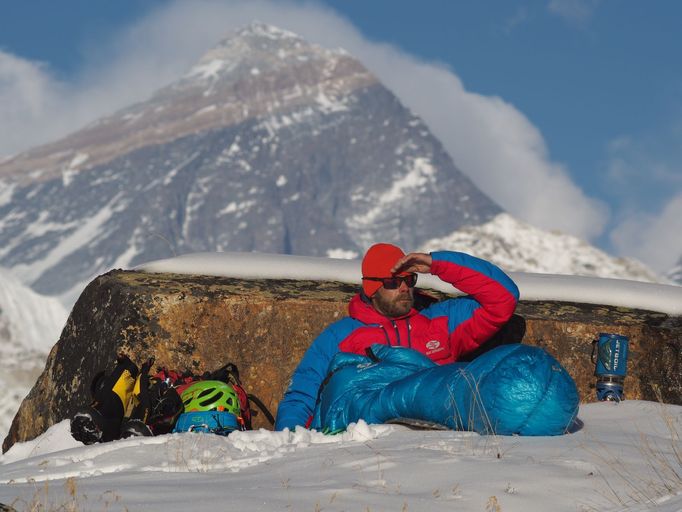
[(626, 456)]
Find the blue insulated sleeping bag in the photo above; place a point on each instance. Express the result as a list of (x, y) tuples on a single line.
[(512, 389)]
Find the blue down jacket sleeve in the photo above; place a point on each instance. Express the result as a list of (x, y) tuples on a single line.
[(512, 389), (296, 407)]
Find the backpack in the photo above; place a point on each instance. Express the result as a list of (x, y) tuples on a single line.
[(131, 402)]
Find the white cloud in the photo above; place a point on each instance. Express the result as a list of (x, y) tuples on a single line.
[(26, 93), (489, 139), (35, 107), (502, 152), (654, 239), (642, 168), (517, 19), (577, 12), (640, 172)]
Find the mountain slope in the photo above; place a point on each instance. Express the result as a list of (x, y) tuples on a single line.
[(517, 246), (30, 325), (268, 144), (675, 275)]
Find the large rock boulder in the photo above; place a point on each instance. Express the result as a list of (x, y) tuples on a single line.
[(264, 326)]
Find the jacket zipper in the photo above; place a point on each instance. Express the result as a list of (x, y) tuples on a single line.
[(409, 331), (397, 333), (388, 338)]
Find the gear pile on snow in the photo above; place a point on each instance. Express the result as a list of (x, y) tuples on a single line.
[(131, 402)]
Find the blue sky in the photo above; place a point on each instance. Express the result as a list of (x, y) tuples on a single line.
[(567, 113)]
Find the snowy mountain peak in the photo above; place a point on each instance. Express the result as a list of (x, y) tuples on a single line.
[(263, 48), (265, 30), (517, 246), (258, 71)]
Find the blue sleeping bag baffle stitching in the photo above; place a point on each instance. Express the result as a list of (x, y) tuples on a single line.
[(509, 390)]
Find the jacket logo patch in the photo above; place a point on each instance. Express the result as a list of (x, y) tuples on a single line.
[(433, 345)]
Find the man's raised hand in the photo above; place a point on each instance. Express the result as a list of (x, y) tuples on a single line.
[(413, 262)]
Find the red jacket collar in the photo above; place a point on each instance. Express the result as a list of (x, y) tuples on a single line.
[(365, 312)]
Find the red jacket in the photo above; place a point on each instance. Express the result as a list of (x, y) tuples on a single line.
[(445, 330)]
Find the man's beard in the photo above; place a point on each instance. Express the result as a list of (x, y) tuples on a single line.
[(399, 306)]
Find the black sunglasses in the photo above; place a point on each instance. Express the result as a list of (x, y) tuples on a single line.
[(393, 283)]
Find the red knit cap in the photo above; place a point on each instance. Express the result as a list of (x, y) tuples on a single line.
[(378, 262)]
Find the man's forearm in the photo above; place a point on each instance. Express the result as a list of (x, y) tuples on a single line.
[(479, 278)]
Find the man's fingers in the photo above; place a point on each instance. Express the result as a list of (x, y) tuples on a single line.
[(413, 262), (403, 263), (398, 265)]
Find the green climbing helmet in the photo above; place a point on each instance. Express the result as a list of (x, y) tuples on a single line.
[(211, 395)]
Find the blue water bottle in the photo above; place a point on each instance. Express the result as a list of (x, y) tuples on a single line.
[(610, 365)]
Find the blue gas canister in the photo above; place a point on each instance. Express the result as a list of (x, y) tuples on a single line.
[(611, 351)]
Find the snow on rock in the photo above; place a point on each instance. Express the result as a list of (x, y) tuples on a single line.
[(6, 192), (208, 69), (591, 290), (420, 173), (85, 232), (261, 29), (329, 104), (78, 160), (518, 246)]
